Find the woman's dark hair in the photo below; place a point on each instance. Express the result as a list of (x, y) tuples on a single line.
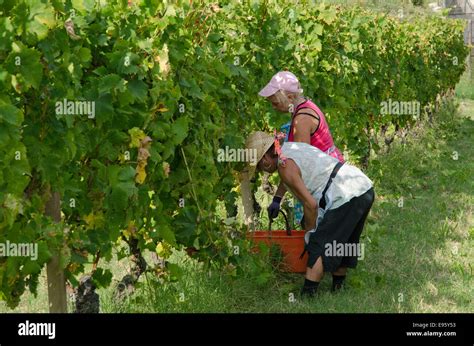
[(271, 151)]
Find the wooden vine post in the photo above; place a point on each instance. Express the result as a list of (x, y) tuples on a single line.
[(247, 202), (56, 279)]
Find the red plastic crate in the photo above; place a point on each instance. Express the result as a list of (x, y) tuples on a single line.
[(291, 247), (291, 243)]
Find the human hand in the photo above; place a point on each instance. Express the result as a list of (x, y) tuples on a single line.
[(274, 207)]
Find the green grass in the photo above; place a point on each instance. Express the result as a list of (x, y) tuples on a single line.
[(394, 7), (418, 258), (465, 87)]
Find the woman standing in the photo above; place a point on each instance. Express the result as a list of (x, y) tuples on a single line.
[(308, 123)]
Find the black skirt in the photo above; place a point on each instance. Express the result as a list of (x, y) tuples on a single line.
[(336, 239)]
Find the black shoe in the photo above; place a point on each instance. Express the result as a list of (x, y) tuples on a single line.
[(337, 287), (308, 292), (338, 283)]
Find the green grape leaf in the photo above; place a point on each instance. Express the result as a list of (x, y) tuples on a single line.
[(179, 130), (25, 62), (138, 89), (10, 114), (102, 278)]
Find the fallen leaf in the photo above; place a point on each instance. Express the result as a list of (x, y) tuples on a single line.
[(69, 25)]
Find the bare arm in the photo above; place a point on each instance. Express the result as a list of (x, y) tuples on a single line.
[(291, 176), (303, 125), (280, 192)]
